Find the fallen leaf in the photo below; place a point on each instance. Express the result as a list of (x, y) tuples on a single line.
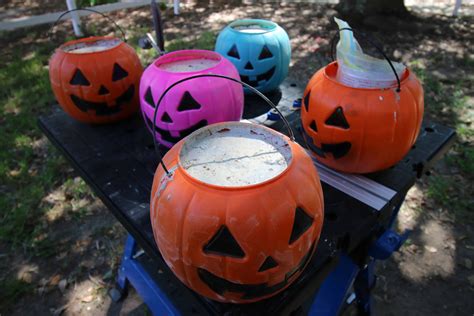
[(87, 299), (108, 275), (62, 285), (55, 280), (14, 173), (96, 281), (412, 248), (431, 249)]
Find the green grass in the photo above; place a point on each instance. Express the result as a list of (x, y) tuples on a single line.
[(446, 102), (24, 95), (91, 3), (451, 195), (25, 177), (11, 290), (439, 189), (206, 40)]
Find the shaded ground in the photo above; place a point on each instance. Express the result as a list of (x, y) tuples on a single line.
[(59, 246), (13, 9)]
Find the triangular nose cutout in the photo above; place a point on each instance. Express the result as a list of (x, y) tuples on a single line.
[(166, 118), (103, 90), (269, 263), (248, 66)]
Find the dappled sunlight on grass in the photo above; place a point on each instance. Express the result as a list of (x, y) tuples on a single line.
[(27, 271), (86, 296), (205, 40), (72, 198)]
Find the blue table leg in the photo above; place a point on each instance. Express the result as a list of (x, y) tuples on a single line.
[(131, 271), (363, 285), (128, 252), (333, 292)]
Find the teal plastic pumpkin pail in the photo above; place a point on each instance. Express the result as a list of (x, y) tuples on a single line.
[(259, 49)]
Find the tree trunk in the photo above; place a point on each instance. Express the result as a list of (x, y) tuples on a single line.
[(362, 8)]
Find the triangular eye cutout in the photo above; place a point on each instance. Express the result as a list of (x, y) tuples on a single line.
[(79, 79), (248, 66), (313, 126), (118, 73), (338, 119), (224, 244), (306, 101), (268, 264), (301, 224), (166, 118), (188, 103), (265, 53), (233, 52), (103, 90), (149, 97)]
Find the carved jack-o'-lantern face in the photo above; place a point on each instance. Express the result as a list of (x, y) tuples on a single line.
[(191, 104), (360, 130), (254, 77), (259, 49), (96, 79), (240, 215), (187, 103), (224, 244)]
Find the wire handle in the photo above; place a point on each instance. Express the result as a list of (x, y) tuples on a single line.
[(90, 10), (153, 128), (373, 43)]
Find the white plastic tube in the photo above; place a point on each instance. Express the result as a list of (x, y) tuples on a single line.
[(76, 22)]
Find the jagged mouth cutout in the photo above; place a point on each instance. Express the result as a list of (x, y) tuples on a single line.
[(250, 291), (102, 108), (255, 81)]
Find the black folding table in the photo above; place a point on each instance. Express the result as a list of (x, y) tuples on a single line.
[(118, 161)]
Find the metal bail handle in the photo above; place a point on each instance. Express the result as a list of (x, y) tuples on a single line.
[(368, 39), (89, 10), (153, 128)]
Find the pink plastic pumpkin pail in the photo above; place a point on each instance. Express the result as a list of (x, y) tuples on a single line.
[(194, 103)]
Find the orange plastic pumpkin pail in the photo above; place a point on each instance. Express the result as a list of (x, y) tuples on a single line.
[(96, 79), (240, 213), (361, 130)]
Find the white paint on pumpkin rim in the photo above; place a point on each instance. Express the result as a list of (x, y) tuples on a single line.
[(189, 65), (235, 154), (188, 61), (252, 26), (249, 28), (92, 46)]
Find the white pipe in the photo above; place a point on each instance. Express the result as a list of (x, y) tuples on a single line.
[(456, 7), (176, 7), (76, 21)]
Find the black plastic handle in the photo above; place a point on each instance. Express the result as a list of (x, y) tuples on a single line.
[(153, 128), (368, 39), (89, 10)]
